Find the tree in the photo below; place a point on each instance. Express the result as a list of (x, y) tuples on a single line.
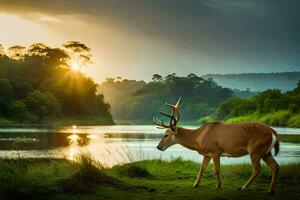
[(79, 53), (42, 104), (156, 78), (195, 77), (38, 49), (17, 52), (39, 85), (1, 50), (6, 90), (18, 111), (140, 101), (118, 78), (6, 96), (170, 77)]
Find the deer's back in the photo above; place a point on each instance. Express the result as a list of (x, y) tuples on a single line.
[(235, 139)]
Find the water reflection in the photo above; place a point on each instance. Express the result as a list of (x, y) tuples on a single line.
[(109, 144)]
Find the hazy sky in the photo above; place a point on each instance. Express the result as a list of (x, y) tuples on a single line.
[(137, 38)]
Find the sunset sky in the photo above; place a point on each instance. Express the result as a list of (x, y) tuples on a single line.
[(137, 38)]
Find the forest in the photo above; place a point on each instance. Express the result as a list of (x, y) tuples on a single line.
[(271, 106), (138, 101), (38, 85)]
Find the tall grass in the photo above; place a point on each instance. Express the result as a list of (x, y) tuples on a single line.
[(51, 179), (279, 118), (294, 120)]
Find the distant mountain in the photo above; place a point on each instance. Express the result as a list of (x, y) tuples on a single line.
[(257, 81)]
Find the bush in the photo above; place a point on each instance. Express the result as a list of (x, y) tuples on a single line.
[(134, 170), (234, 107), (294, 121), (279, 118), (271, 107), (204, 120), (89, 177)]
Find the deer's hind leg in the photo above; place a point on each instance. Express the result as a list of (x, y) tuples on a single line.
[(255, 159), (270, 161), (216, 160)]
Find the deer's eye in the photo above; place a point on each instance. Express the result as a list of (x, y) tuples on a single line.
[(165, 135)]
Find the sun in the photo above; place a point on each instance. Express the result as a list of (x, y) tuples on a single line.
[(75, 66)]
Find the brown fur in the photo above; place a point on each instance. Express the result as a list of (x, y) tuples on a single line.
[(216, 139)]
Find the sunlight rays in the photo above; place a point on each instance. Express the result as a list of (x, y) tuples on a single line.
[(75, 66)]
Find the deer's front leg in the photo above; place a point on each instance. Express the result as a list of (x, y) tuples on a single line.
[(216, 160), (203, 166)]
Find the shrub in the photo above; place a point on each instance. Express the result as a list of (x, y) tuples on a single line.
[(133, 170), (279, 118), (294, 121), (89, 177)]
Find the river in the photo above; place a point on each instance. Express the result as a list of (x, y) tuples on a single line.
[(111, 144)]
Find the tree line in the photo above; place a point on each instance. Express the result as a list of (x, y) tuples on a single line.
[(271, 106), (139, 101), (37, 84), (257, 81)]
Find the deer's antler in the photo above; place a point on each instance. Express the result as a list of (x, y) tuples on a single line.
[(173, 119)]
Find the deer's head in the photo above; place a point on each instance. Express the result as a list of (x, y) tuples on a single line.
[(169, 137)]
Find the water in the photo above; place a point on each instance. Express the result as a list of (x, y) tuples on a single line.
[(111, 144)]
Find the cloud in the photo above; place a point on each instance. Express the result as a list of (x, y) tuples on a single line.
[(263, 33), (212, 26)]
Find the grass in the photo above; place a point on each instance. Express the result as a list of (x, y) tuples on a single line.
[(279, 118), (148, 179)]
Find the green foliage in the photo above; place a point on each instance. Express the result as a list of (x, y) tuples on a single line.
[(62, 179), (205, 119), (38, 85), (279, 118), (138, 101), (271, 107), (294, 121), (6, 96), (133, 170), (235, 107), (88, 177), (42, 104)]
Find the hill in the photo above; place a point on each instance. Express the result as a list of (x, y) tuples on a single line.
[(138, 101), (257, 81)]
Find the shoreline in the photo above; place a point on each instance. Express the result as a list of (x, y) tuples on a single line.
[(63, 122)]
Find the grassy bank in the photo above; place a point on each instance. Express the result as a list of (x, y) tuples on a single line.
[(86, 179), (279, 118), (282, 118)]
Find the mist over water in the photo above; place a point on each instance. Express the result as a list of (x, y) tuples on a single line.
[(111, 144)]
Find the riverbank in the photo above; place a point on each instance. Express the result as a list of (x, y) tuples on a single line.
[(279, 118), (275, 119), (87, 179), (63, 121)]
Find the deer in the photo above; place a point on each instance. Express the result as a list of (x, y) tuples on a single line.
[(216, 139)]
